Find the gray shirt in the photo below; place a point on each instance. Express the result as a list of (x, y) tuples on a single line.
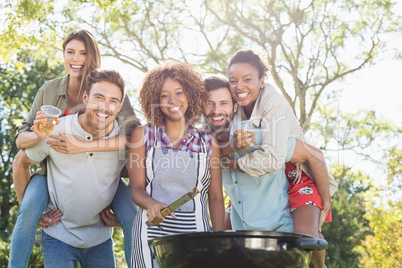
[(80, 186)]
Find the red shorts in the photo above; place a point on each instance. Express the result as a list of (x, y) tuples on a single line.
[(303, 193)]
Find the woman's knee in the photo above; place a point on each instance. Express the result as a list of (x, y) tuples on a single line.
[(36, 195), (308, 230)]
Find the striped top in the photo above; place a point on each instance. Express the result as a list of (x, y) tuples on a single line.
[(170, 173)]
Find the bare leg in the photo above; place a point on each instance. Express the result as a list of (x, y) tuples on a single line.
[(318, 256), (21, 174), (305, 221)]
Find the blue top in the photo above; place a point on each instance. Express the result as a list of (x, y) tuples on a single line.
[(258, 203)]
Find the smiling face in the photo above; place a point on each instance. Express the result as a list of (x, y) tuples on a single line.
[(173, 101), (220, 110), (75, 55), (245, 85), (102, 106)]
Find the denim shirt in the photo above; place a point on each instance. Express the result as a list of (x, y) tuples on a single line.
[(259, 203)]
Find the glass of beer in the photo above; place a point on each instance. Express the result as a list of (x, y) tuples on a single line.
[(52, 113)]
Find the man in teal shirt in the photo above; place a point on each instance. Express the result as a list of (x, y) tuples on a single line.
[(259, 203)]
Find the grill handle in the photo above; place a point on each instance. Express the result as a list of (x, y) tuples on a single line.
[(311, 244)]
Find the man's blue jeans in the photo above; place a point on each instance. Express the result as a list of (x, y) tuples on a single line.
[(35, 200), (59, 254)]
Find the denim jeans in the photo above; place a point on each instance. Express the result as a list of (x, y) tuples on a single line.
[(125, 210), (59, 254), (31, 208), (35, 200)]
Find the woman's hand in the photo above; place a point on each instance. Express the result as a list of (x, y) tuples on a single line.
[(50, 218), (154, 213), (67, 144), (40, 117), (108, 218), (243, 139)]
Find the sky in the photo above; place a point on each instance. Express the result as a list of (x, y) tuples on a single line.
[(378, 87)]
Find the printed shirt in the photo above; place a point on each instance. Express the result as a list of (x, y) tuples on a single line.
[(192, 144)]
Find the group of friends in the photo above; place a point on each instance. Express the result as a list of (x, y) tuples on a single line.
[(200, 133)]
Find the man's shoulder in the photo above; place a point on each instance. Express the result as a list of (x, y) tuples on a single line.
[(66, 118), (65, 125)]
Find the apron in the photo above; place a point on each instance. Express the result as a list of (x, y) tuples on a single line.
[(169, 175)]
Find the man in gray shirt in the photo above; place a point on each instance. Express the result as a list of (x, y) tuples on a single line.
[(81, 185)]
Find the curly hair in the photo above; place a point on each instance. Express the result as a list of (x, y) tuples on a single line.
[(189, 78)]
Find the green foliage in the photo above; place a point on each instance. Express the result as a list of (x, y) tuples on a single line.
[(362, 133), (307, 42), (118, 244), (383, 248), (4, 250), (393, 163), (17, 91), (348, 227), (20, 31)]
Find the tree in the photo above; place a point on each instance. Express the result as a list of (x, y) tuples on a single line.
[(348, 227), (18, 88), (364, 134), (383, 248), (307, 43)]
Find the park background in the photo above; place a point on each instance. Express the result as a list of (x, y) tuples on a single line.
[(337, 62)]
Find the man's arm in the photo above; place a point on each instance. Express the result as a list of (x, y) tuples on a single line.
[(315, 159), (215, 196), (21, 173)]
